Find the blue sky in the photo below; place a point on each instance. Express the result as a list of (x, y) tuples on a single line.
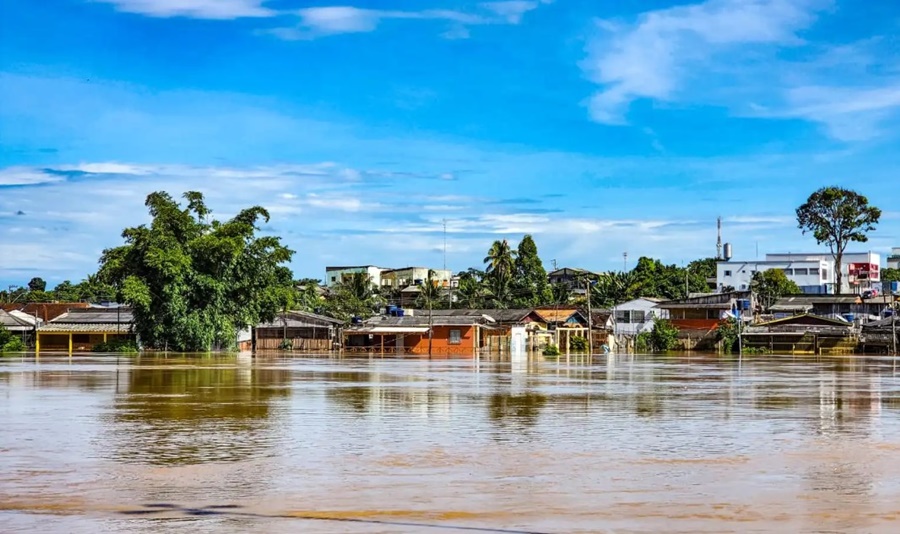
[(598, 127)]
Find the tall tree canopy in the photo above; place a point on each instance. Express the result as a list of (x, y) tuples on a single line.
[(836, 216), (772, 284), (531, 287), (500, 270), (37, 284), (193, 282)]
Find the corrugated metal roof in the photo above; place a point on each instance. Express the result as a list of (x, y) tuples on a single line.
[(422, 320), (85, 327), (96, 316), (301, 319), (556, 316), (13, 323)]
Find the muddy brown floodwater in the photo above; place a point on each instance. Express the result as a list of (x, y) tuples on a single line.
[(618, 444)]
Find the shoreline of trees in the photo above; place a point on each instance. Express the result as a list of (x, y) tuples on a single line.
[(194, 281)]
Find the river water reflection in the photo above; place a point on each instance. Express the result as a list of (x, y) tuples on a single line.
[(617, 444)]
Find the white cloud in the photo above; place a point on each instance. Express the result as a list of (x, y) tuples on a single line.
[(27, 176), (200, 9), (651, 58), (334, 20), (848, 113), (511, 10)]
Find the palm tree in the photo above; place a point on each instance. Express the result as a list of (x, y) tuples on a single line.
[(500, 259), (501, 264), (429, 292)]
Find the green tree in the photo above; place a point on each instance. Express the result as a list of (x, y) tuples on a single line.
[(531, 286), (772, 284), (470, 293), (353, 297), (836, 217), (500, 262), (194, 282), (430, 293), (37, 284), (889, 275), (614, 288), (663, 337)]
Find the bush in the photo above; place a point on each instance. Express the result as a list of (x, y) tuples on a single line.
[(757, 350), (286, 344), (727, 333), (578, 343), (551, 350), (14, 344), (663, 337), (116, 345), (642, 342)]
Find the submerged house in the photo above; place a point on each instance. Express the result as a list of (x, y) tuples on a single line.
[(802, 334), (15, 325), (303, 331), (849, 307), (450, 335), (698, 317), (81, 329)]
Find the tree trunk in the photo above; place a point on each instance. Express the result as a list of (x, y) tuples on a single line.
[(838, 274)]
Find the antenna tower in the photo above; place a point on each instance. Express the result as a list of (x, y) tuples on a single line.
[(719, 238)]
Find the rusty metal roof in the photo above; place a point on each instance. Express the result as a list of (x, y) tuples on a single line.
[(86, 328)]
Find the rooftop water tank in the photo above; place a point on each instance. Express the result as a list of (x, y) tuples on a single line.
[(727, 252)]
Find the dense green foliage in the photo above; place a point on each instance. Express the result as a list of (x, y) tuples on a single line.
[(37, 284), (727, 334), (663, 336), (578, 344), (771, 285), (353, 297), (889, 275), (10, 342), (194, 282), (88, 290), (836, 216), (551, 350), (116, 345), (530, 287)]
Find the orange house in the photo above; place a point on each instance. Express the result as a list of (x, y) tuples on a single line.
[(408, 335)]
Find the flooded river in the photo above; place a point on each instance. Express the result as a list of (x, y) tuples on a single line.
[(316, 445)]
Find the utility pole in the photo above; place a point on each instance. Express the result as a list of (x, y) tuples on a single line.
[(587, 291), (450, 279), (894, 329), (430, 327)]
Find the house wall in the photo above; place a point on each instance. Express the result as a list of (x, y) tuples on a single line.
[(625, 324), (813, 276), (893, 261), (418, 343), (302, 339), (81, 341), (335, 275), (401, 278)]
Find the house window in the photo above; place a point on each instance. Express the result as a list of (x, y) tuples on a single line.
[(788, 272), (824, 274), (637, 316), (455, 337), (814, 271), (622, 316), (727, 273), (801, 272), (334, 278)]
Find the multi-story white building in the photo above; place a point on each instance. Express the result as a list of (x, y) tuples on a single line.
[(337, 275), (893, 261), (814, 273), (414, 276)]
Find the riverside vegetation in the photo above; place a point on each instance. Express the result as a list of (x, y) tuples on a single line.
[(194, 281)]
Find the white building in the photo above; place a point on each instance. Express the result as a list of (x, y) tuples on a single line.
[(337, 275), (813, 273), (893, 261), (414, 276), (636, 316)]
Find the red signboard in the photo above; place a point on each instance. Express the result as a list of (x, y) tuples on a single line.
[(865, 271)]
